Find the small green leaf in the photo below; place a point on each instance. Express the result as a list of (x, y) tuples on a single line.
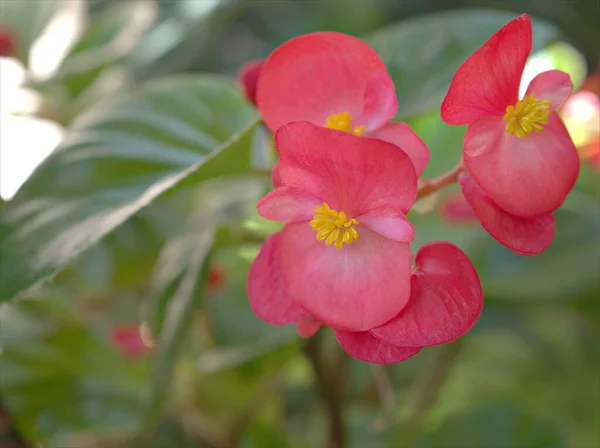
[(495, 427), (116, 160), (423, 53)]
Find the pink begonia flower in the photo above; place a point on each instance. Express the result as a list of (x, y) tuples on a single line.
[(344, 252), (336, 81), (248, 76), (525, 236), (445, 302), (128, 339), (343, 257), (517, 150)]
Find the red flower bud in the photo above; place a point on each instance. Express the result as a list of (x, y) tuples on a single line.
[(7, 42), (248, 76), (128, 339)]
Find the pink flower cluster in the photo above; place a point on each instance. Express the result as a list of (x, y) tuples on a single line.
[(520, 160), (347, 177)]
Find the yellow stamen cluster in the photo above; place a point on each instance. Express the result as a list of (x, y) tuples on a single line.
[(526, 116), (334, 227), (343, 122)]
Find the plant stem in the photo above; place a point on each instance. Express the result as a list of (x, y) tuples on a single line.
[(385, 389), (440, 182), (329, 388), (426, 388)]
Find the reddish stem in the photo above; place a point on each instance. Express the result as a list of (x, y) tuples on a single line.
[(440, 182)]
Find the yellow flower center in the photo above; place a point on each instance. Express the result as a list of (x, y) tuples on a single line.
[(343, 122), (526, 116), (334, 227)]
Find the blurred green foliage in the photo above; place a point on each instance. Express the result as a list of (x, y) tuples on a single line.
[(154, 187)]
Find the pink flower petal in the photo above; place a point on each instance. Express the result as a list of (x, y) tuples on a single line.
[(446, 299), (401, 135), (488, 81), (275, 177), (526, 176), (355, 288), (288, 204), (525, 236), (553, 85), (389, 223), (313, 76), (267, 293), (380, 101), (352, 174), (248, 76), (366, 347), (307, 327)]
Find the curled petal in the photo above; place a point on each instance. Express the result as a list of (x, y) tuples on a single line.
[(401, 135), (488, 81), (389, 223), (356, 174), (526, 176), (446, 299), (525, 236), (553, 85), (354, 288), (308, 326), (380, 102), (366, 347), (288, 204), (313, 76), (267, 293), (248, 76)]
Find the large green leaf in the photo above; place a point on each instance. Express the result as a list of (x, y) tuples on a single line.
[(60, 381), (117, 159), (494, 427), (423, 53)]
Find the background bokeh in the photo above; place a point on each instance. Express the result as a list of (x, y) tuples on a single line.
[(144, 337)]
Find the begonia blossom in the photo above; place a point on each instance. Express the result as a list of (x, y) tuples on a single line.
[(517, 149), (343, 258), (127, 338), (344, 251), (336, 81)]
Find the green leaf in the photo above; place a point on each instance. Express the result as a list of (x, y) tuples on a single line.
[(493, 427), (116, 160), (59, 381), (423, 53), (178, 284)]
